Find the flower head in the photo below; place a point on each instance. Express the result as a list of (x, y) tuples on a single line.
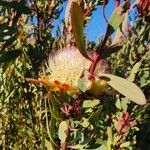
[(66, 66)]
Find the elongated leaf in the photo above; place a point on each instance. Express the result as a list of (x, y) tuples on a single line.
[(78, 146), (117, 17), (115, 21), (84, 122), (10, 55), (81, 145), (90, 103), (118, 35), (50, 128), (52, 132), (48, 145), (110, 50), (83, 85), (55, 113), (63, 127), (126, 88), (17, 6), (95, 115), (7, 98), (54, 108), (110, 138), (77, 23), (134, 71)]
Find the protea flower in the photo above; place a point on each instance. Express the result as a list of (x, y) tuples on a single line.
[(69, 71), (66, 67)]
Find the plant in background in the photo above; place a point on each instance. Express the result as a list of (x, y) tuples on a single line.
[(79, 74), (85, 98), (143, 8)]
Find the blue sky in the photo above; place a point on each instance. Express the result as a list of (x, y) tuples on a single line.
[(97, 26)]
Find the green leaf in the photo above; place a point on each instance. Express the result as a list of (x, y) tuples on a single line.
[(10, 55), (81, 145), (63, 127), (82, 84), (110, 138), (17, 6), (9, 95), (134, 71), (120, 31), (125, 144), (90, 103), (95, 115), (124, 104), (84, 122), (77, 22), (54, 108), (110, 50), (78, 146), (118, 103), (48, 145), (117, 17), (126, 88), (52, 132)]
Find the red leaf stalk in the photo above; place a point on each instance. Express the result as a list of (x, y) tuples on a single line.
[(117, 3)]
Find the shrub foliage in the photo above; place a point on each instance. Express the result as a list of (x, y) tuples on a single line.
[(95, 104)]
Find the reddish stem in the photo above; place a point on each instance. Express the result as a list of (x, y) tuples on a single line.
[(117, 3), (96, 59)]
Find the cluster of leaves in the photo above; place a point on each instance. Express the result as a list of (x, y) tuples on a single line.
[(30, 120), (132, 62), (25, 40)]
